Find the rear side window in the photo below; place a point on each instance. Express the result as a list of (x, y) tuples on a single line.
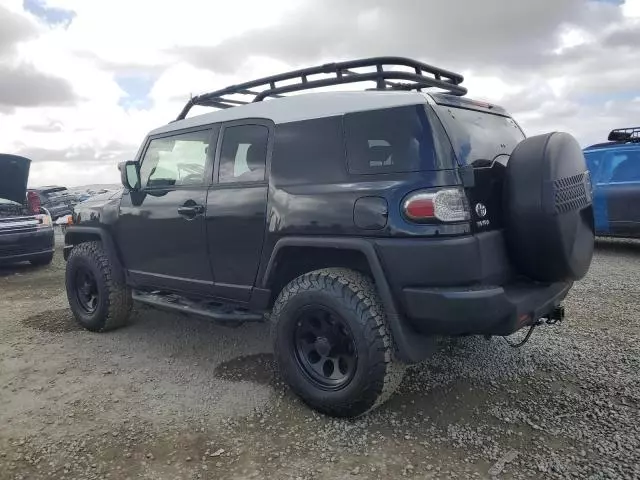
[(392, 140), (244, 153), (309, 151)]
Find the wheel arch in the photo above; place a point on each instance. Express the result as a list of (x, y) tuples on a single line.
[(294, 256), (76, 234)]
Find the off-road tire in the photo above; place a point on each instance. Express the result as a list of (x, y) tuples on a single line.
[(114, 297), (353, 296), (42, 260)]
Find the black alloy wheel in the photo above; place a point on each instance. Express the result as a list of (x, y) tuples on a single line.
[(325, 348), (86, 287)]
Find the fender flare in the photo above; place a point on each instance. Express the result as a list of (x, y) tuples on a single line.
[(411, 346), (77, 234)]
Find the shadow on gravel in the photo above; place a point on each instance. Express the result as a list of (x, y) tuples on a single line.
[(258, 368), (54, 321)]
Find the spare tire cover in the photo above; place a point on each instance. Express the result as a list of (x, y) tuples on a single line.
[(548, 208)]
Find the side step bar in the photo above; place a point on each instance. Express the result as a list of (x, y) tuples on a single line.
[(219, 313)]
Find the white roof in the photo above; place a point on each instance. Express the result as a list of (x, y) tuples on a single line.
[(303, 107)]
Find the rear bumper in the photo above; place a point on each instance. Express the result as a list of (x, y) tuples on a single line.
[(499, 310), (464, 285), (22, 246)]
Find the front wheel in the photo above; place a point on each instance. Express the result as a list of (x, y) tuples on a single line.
[(332, 342), (97, 299)]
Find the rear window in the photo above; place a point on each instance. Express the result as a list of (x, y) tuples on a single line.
[(55, 192), (479, 137), (392, 140)]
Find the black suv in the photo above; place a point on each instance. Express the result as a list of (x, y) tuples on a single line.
[(360, 224)]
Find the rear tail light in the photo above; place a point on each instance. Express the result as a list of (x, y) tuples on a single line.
[(34, 202), (447, 205)]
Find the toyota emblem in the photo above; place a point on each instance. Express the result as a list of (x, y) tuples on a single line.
[(481, 210)]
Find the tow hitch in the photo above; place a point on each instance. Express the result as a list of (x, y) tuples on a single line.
[(556, 316)]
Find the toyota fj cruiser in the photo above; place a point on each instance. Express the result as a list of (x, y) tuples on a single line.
[(360, 224)]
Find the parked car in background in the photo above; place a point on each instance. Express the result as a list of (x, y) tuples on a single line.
[(26, 232), (56, 199), (615, 170)]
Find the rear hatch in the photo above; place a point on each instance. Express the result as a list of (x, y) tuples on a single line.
[(483, 137)]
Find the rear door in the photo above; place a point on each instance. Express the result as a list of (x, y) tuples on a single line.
[(236, 207), (623, 193), (483, 137), (161, 230)]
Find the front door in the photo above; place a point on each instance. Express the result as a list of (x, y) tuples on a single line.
[(161, 228), (236, 208)]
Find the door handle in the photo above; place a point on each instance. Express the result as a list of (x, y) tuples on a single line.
[(190, 211)]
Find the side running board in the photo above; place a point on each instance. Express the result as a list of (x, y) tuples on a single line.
[(217, 312)]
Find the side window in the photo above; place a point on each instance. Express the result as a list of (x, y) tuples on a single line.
[(610, 164), (392, 140), (628, 170), (177, 160), (309, 151), (244, 153)]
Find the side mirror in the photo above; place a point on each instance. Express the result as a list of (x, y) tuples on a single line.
[(130, 174)]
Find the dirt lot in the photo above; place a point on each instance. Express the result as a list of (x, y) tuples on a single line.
[(170, 397)]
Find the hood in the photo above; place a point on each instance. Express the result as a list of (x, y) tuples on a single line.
[(14, 174)]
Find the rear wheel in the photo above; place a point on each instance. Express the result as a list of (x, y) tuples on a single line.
[(42, 260), (332, 342), (98, 301)]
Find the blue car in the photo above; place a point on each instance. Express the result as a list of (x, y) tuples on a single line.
[(615, 174)]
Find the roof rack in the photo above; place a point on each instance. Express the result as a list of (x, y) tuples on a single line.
[(421, 76), (630, 134)]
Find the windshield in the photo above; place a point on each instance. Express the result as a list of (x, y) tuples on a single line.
[(479, 137)]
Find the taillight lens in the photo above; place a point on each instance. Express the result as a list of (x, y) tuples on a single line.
[(34, 202), (446, 205)]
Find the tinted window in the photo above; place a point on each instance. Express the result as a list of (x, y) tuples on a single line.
[(309, 151), (613, 166), (627, 171), (479, 137), (176, 160), (390, 140), (244, 153)]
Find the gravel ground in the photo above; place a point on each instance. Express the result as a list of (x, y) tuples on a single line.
[(170, 397)]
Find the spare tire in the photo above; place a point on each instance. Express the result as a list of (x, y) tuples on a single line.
[(548, 209)]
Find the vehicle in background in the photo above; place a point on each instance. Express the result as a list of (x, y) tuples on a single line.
[(56, 199), (615, 171), (83, 196), (26, 231)]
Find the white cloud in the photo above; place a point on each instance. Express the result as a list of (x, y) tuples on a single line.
[(545, 65)]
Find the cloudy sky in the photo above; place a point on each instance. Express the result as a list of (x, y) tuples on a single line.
[(82, 81)]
